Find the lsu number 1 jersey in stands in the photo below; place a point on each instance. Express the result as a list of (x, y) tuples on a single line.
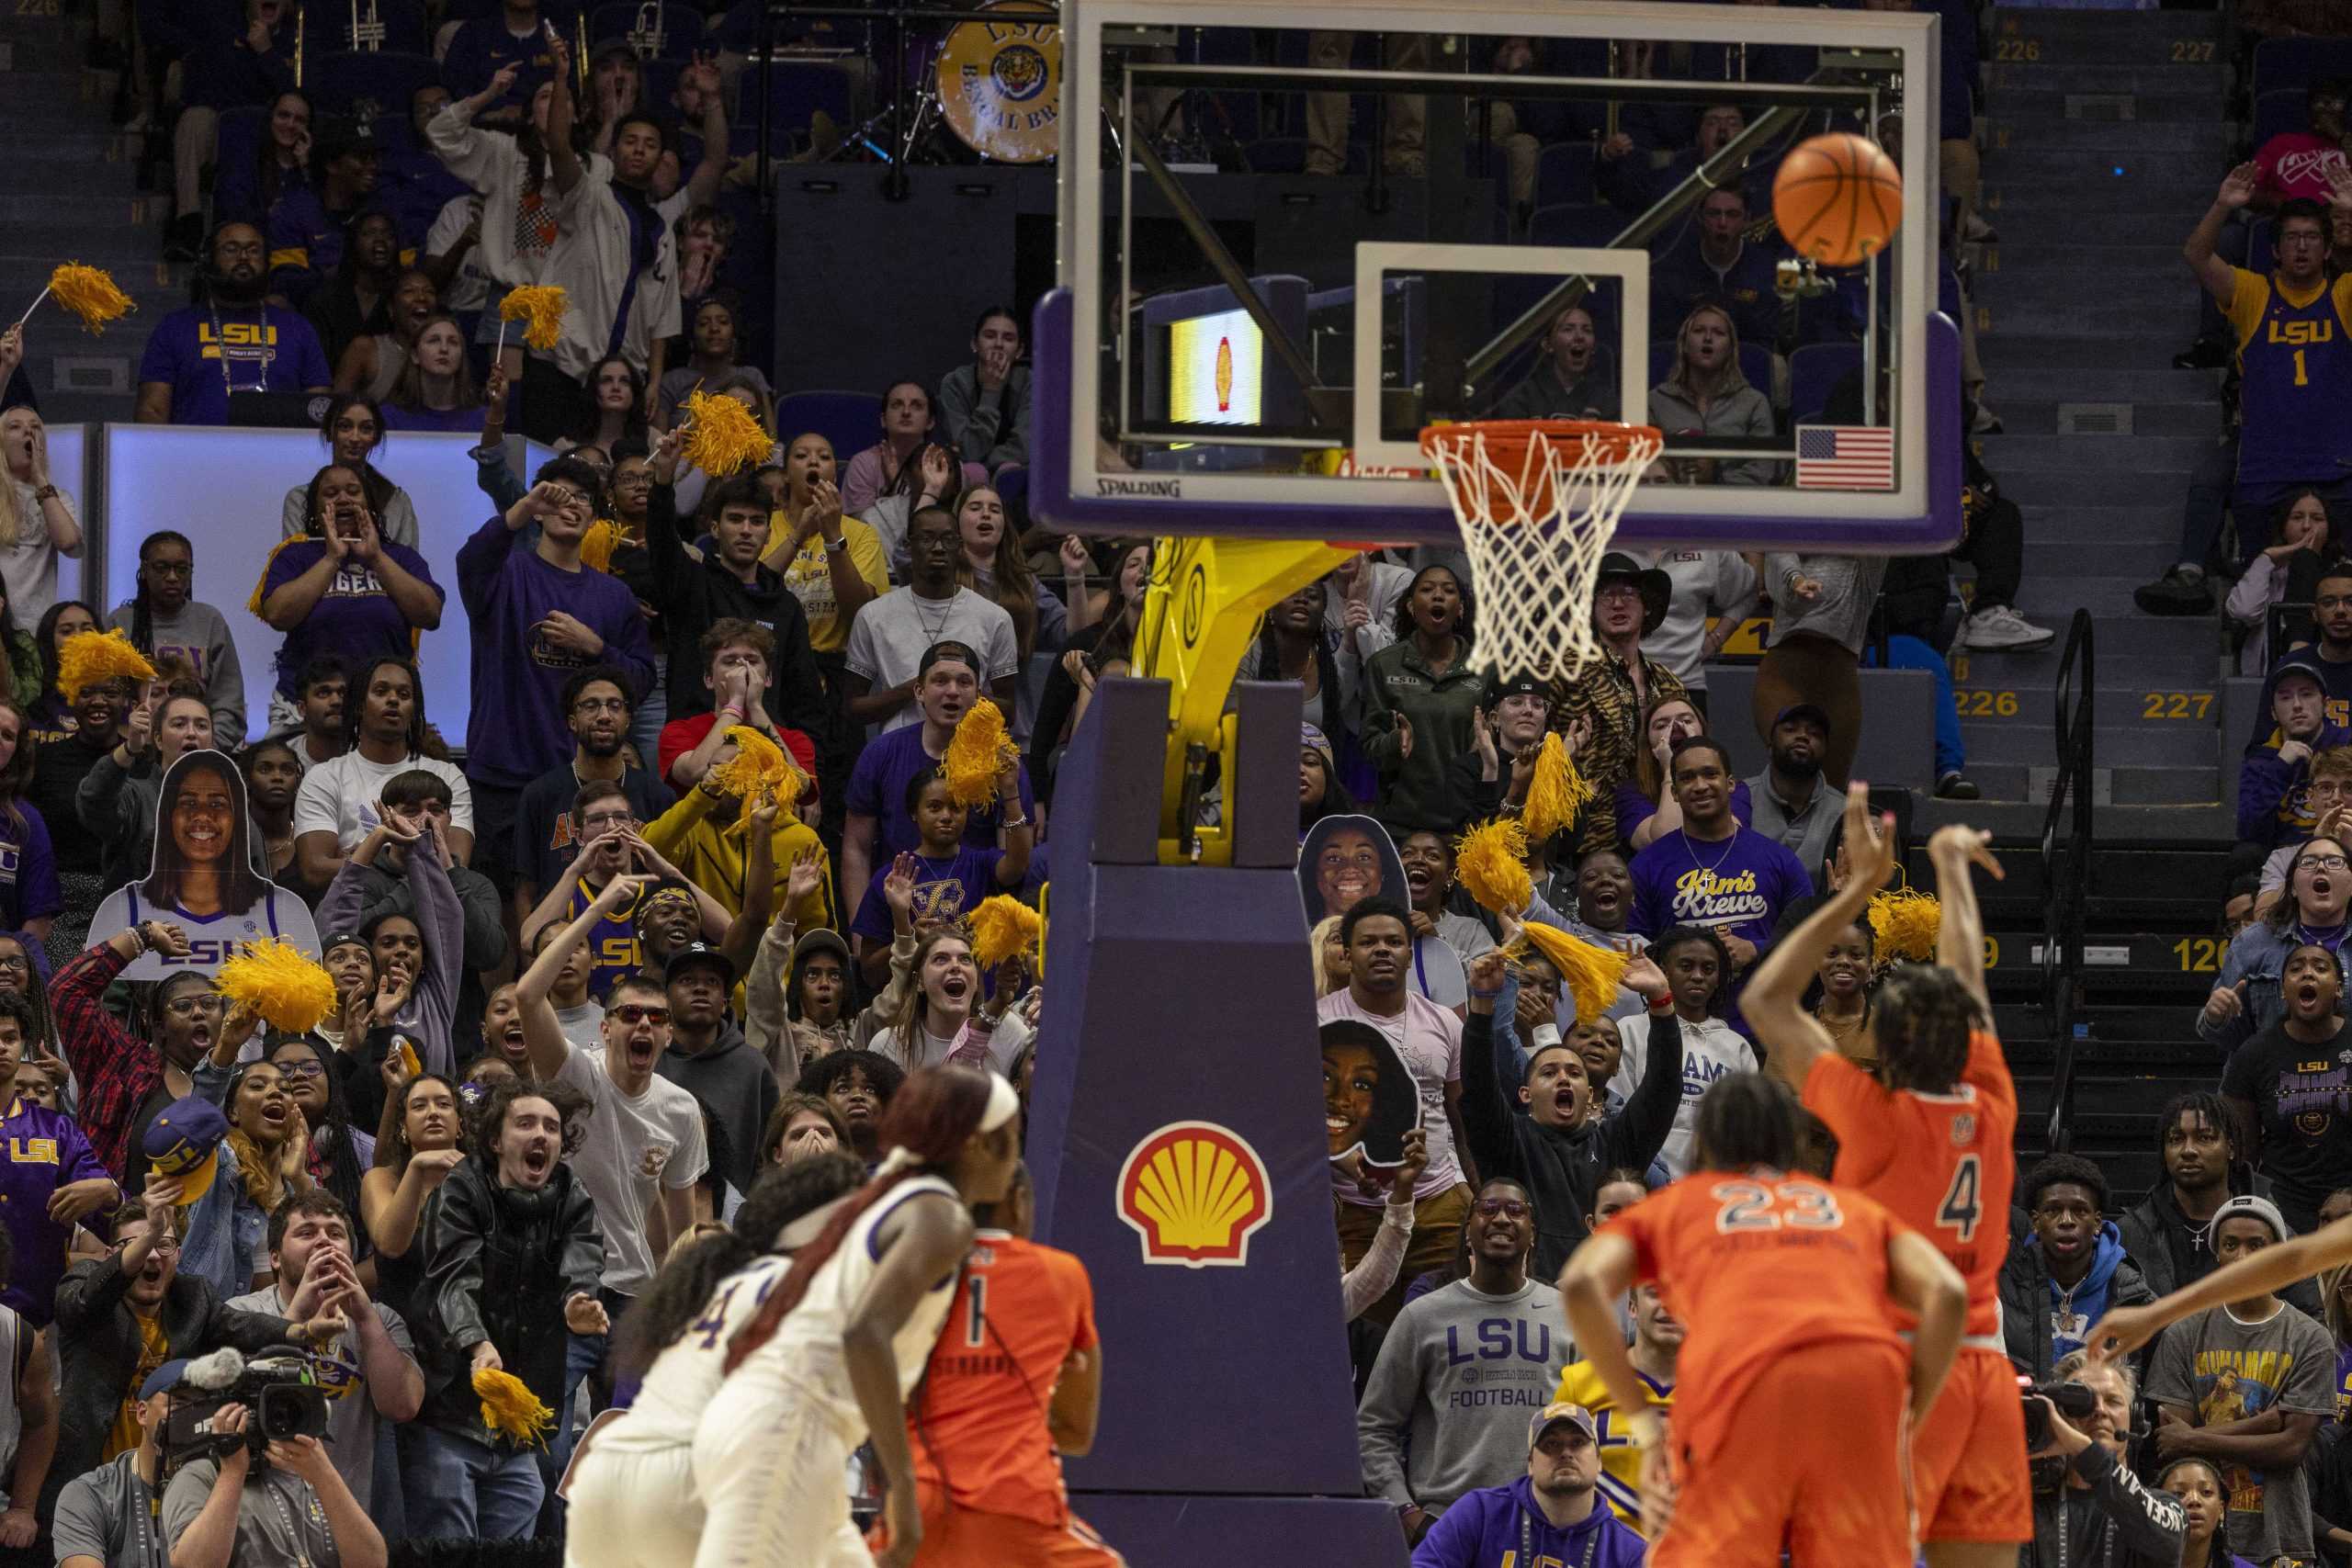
[(1944, 1164)]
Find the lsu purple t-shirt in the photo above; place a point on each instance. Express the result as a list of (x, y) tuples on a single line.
[(354, 618), (945, 890), (267, 348), (43, 1151), (877, 788), (1737, 885)]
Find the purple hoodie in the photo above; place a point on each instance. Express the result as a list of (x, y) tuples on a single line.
[(2274, 808), (1499, 1525)]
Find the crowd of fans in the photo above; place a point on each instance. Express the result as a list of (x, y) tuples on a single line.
[(586, 995)]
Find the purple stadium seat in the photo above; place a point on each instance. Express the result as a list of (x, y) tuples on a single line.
[(1564, 174), (2297, 62), (1813, 371), (851, 420), (1574, 223)]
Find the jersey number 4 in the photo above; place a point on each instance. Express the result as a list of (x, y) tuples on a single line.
[(1748, 1206), (1963, 1207)]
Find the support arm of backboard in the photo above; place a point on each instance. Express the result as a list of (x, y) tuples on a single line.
[(1229, 273), (1200, 615)]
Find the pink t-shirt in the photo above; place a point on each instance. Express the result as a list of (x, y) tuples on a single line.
[(2295, 164), (1428, 1038)]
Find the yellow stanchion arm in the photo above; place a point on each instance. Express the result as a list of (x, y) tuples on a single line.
[(1200, 615)]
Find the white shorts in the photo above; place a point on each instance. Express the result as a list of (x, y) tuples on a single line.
[(632, 1509), (769, 1464)]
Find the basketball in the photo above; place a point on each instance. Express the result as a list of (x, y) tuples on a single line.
[(1838, 198)]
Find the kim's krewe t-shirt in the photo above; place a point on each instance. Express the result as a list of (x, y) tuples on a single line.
[(1736, 885)]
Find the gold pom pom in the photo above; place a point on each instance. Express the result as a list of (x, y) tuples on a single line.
[(597, 545), (90, 293), (722, 435), (509, 1409), (758, 766), (279, 981), (1555, 794), (1591, 974), (979, 751), (540, 309), (1490, 861), (88, 657), (1904, 924), (1001, 926)]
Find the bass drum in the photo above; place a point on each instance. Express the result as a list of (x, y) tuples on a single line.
[(1000, 83)]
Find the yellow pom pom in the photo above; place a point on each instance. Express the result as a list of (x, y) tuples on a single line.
[(90, 293), (1905, 923), (1001, 926), (540, 309), (723, 437), (1491, 861), (88, 657), (1591, 974), (1555, 794), (509, 1409), (979, 751), (758, 766), (597, 545), (279, 981)]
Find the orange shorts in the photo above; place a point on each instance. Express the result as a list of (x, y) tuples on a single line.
[(966, 1538), (1814, 1459), (1968, 1464)]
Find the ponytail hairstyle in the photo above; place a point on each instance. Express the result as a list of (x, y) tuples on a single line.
[(927, 1124), (690, 1277), (142, 619)]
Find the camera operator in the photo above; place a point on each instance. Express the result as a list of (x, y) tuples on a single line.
[(121, 1317), (106, 1517), (291, 1512), (2088, 1508)]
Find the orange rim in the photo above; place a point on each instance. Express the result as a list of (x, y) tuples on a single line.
[(1508, 440)]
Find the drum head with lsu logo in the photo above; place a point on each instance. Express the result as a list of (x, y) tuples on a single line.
[(1000, 83)]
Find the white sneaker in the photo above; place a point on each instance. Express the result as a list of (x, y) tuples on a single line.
[(2001, 626)]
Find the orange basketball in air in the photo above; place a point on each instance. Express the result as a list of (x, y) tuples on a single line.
[(1838, 198)]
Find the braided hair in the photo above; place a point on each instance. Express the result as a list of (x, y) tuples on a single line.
[(142, 616)]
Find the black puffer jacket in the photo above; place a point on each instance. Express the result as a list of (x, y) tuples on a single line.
[(2120, 1522), (499, 1263)]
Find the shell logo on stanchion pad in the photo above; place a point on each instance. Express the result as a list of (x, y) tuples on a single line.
[(1195, 1192)]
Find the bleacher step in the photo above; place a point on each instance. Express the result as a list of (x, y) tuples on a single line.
[(2204, 137), (2062, 313), (2061, 76), (2049, 108), (2199, 418), (2019, 452), (2032, 219)]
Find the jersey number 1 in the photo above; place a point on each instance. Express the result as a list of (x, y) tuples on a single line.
[(2302, 377), (1961, 1207)]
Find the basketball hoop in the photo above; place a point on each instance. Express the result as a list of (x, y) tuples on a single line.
[(1538, 500)]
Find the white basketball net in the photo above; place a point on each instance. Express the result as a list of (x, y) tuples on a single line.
[(1535, 520)]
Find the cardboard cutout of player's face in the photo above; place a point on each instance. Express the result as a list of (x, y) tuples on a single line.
[(1345, 861), (1369, 1100), (206, 876)]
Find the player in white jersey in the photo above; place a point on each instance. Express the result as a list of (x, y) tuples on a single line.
[(827, 1360), (631, 1484)]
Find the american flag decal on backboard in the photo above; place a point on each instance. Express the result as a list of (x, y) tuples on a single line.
[(1845, 457)]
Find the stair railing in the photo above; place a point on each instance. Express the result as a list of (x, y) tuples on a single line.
[(2066, 868)]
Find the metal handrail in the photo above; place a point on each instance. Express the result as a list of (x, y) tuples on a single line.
[(2066, 868)]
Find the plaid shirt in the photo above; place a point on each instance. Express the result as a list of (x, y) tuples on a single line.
[(1603, 697), (116, 1069)]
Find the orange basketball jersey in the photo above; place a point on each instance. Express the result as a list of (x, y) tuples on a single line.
[(1944, 1164), (977, 1423), (1756, 1264)]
